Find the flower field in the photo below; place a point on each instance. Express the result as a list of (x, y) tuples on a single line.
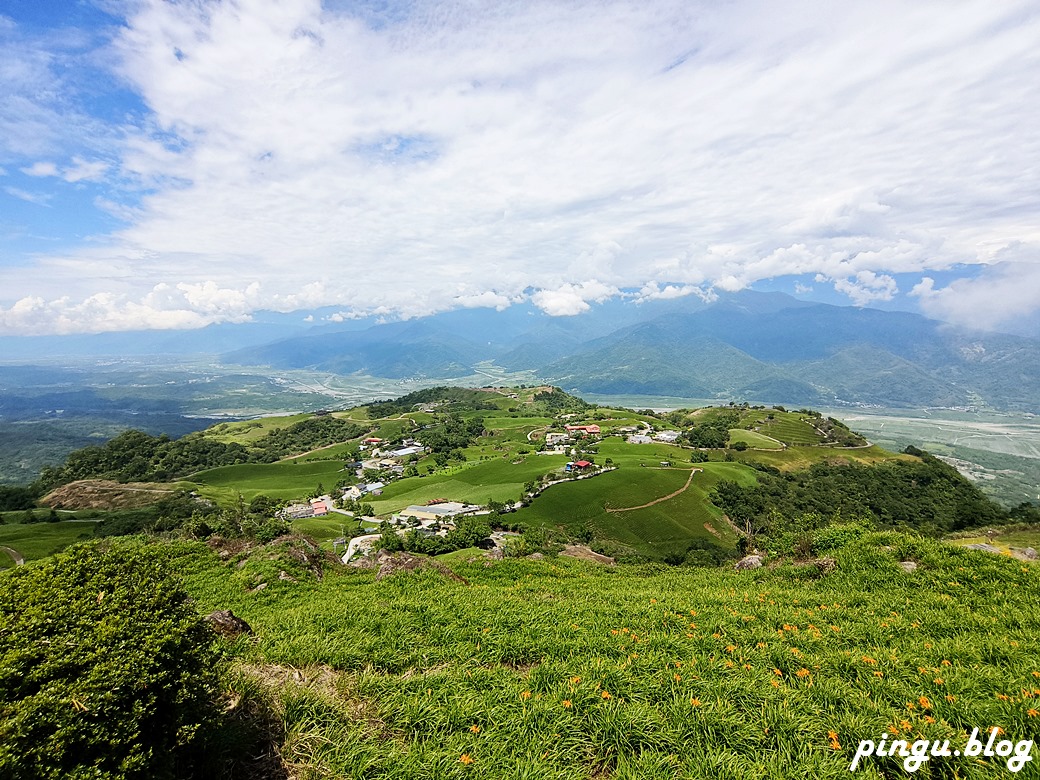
[(561, 669)]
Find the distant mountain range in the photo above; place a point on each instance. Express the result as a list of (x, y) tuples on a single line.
[(750, 346)]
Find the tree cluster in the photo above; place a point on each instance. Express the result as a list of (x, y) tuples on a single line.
[(135, 456), (925, 495)]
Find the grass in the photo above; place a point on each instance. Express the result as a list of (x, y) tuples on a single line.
[(567, 670), (289, 479), (795, 458), (40, 540), (497, 478), (754, 440), (667, 528)]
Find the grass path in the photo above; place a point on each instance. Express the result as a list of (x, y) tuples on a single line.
[(669, 497)]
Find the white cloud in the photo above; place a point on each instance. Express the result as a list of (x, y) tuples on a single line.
[(41, 168), (451, 158), (82, 170), (652, 291), (571, 299), (39, 198), (864, 287), (1002, 295)]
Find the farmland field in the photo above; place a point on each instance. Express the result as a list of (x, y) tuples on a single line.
[(1003, 450), (288, 479), (754, 440), (664, 529)]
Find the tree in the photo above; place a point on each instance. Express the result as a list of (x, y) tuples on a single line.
[(469, 530), (106, 668)]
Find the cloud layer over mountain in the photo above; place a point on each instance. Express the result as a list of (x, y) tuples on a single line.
[(193, 162)]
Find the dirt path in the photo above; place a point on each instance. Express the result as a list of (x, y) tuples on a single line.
[(669, 497), (15, 555)]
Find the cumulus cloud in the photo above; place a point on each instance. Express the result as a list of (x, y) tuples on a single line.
[(434, 158), (41, 168), (652, 291), (165, 307), (864, 287), (570, 299), (1002, 295)]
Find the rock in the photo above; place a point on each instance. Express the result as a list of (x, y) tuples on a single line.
[(227, 623), (749, 562), (984, 548), (285, 577), (907, 566), (259, 587), (825, 565), (536, 557), (583, 553), (395, 563), (1024, 554)]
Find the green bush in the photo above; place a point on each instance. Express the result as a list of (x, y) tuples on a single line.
[(106, 669)]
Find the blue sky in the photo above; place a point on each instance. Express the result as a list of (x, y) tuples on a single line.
[(168, 164)]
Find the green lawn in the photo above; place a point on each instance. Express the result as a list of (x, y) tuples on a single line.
[(248, 431), (288, 479), (39, 540), (664, 529), (754, 440), (497, 478), (794, 458)]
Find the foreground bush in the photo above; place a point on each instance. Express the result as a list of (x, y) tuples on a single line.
[(106, 669)]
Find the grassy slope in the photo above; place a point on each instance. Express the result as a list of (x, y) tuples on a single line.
[(657, 531), (39, 540), (288, 479), (755, 440), (709, 672)]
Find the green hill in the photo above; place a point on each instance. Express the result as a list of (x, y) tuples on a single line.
[(568, 670)]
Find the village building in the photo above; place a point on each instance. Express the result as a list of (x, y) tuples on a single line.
[(587, 429), (668, 437)]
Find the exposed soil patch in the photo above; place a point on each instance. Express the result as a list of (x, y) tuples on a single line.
[(103, 494)]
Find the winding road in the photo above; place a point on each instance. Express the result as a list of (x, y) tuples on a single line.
[(15, 555)]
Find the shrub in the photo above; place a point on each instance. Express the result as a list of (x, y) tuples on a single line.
[(106, 669)]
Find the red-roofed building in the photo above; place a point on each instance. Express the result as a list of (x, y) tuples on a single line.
[(581, 464), (585, 428)]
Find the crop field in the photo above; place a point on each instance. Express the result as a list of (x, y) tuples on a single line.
[(788, 427), (659, 530), (754, 440), (1011, 434), (498, 478), (561, 669), (40, 540), (794, 458), (287, 479)]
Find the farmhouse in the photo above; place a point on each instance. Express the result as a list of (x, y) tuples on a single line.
[(439, 511), (587, 429), (320, 506), (552, 439), (668, 436), (405, 452), (297, 511), (578, 465), (639, 438)]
